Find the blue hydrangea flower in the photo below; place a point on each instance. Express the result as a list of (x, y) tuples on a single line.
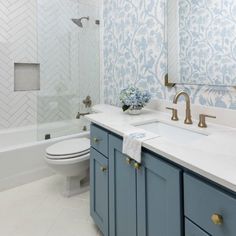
[(134, 98)]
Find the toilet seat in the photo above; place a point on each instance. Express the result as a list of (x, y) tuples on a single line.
[(67, 156), (68, 149)]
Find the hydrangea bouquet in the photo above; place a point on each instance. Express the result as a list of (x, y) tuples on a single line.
[(134, 99)]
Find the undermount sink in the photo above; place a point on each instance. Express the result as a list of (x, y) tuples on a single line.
[(172, 133)]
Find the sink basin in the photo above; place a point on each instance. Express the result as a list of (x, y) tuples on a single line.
[(172, 133)]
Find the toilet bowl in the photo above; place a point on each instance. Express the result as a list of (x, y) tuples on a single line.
[(70, 158)]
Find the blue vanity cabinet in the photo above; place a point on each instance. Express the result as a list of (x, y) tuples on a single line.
[(159, 203), (156, 199), (209, 207), (122, 192), (99, 190)]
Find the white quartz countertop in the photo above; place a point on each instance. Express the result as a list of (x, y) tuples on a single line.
[(213, 157)]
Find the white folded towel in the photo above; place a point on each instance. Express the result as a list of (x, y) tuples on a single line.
[(132, 144)]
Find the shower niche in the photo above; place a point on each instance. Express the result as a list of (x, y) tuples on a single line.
[(26, 76)]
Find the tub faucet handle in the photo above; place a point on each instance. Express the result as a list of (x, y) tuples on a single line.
[(87, 102)]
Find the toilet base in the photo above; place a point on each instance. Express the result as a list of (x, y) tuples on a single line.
[(74, 185)]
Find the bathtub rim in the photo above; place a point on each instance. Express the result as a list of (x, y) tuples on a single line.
[(38, 142)]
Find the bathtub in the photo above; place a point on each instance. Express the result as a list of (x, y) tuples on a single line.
[(22, 150)]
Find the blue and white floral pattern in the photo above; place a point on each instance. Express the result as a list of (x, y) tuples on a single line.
[(207, 34), (135, 54)]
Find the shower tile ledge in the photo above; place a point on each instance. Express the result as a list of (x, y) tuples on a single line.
[(214, 157)]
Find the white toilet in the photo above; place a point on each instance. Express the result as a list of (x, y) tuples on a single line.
[(70, 158)]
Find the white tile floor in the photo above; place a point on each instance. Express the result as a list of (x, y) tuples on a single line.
[(38, 209)]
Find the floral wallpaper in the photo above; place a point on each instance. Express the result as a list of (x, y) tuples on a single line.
[(207, 39), (135, 54)]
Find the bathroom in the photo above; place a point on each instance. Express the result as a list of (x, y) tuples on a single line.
[(72, 162)]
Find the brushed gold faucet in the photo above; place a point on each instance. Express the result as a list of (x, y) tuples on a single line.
[(188, 118)]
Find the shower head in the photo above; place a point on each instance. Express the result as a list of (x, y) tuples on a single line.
[(78, 22)]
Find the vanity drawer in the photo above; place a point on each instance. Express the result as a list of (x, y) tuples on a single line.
[(99, 139), (202, 202), (192, 230)]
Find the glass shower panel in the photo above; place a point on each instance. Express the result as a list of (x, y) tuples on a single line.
[(69, 65)]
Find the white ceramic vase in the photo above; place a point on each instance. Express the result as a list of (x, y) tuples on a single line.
[(134, 111)]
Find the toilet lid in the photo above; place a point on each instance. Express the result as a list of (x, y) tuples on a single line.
[(69, 147)]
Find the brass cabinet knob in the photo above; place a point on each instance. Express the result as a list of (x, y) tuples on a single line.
[(103, 168), (96, 140), (217, 219), (128, 160), (137, 165)]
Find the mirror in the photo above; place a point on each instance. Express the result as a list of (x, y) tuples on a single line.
[(202, 42)]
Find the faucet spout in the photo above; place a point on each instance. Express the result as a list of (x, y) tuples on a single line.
[(188, 118), (79, 114)]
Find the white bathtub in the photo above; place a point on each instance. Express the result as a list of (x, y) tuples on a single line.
[(21, 155)]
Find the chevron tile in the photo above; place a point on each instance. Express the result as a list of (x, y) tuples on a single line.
[(18, 43), (41, 31)]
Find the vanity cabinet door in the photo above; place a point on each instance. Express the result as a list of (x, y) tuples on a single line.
[(99, 190), (122, 192), (158, 198)]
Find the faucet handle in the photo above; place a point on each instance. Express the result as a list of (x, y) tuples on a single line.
[(174, 113), (202, 120)]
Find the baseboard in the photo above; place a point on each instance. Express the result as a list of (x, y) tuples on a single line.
[(25, 178)]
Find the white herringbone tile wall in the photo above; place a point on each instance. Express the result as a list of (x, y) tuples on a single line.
[(18, 43), (42, 31)]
